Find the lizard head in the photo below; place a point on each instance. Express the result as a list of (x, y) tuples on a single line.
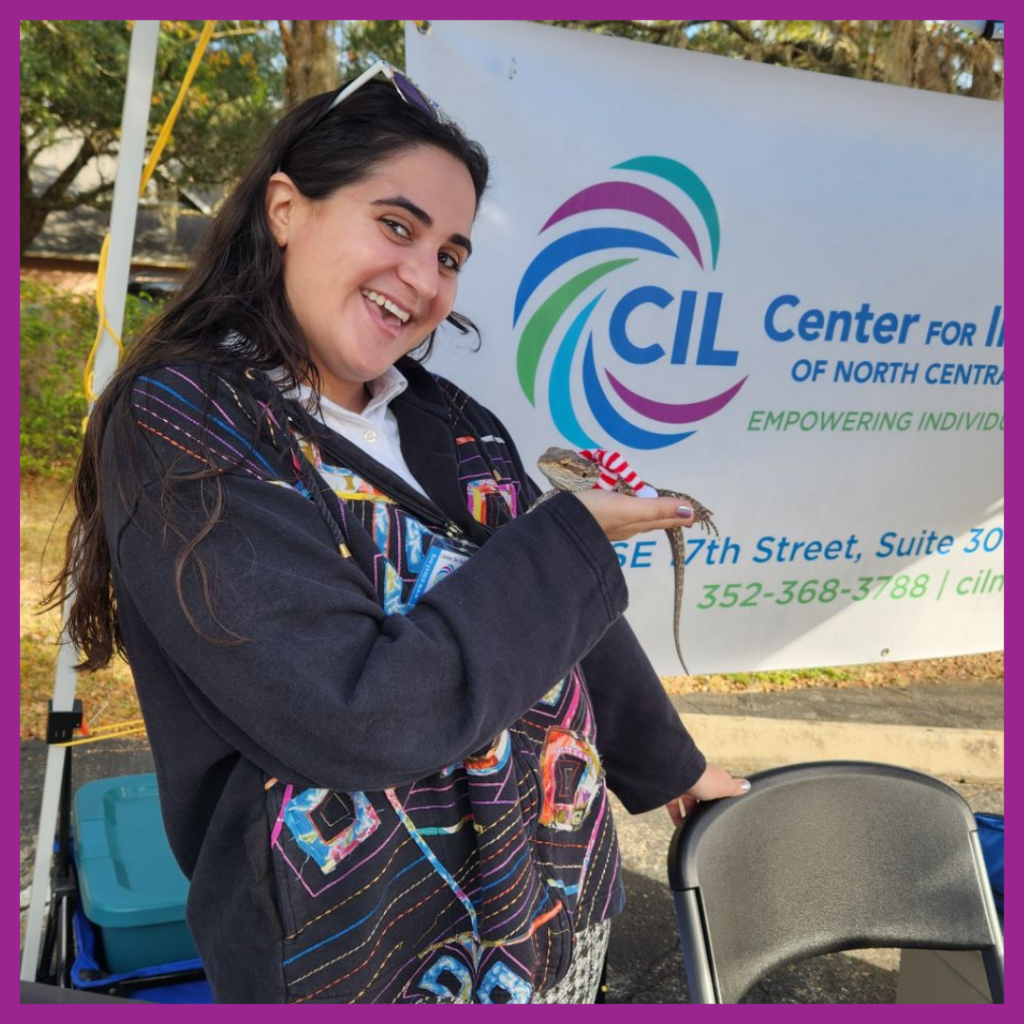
[(562, 466)]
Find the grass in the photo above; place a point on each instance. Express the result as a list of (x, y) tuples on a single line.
[(963, 668), (784, 678), (109, 696)]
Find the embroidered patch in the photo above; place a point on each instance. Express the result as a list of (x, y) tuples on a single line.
[(329, 825), (493, 759), (571, 772), (502, 985), (480, 493), (448, 980), (554, 695)]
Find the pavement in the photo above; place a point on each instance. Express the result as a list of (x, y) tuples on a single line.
[(953, 730)]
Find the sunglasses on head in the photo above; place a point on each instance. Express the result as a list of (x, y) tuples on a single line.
[(406, 88)]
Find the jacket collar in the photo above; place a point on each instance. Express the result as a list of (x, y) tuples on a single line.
[(426, 424)]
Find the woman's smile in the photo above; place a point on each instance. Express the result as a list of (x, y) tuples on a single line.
[(387, 314)]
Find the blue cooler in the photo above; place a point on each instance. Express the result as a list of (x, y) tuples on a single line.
[(131, 887)]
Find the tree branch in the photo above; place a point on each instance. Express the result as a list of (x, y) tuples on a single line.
[(286, 36), (743, 31), (31, 151), (63, 181), (69, 202)]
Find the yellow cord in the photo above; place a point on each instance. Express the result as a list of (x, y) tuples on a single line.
[(133, 727), (98, 739), (165, 131), (147, 173), (101, 286)]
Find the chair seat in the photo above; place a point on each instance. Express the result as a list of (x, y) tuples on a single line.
[(825, 857)]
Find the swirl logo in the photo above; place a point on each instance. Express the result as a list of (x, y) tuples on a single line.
[(567, 311)]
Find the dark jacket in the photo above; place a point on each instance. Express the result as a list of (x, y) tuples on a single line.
[(373, 806)]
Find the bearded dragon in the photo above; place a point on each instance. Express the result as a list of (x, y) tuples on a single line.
[(569, 471)]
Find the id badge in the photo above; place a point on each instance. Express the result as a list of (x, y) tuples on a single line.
[(444, 556)]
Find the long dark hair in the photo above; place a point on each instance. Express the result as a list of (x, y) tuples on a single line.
[(232, 307)]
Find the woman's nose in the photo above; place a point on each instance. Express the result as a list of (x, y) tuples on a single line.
[(420, 271)]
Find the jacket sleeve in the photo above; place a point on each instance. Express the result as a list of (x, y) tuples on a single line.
[(648, 755), (298, 667)]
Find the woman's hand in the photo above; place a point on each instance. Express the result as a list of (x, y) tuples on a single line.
[(622, 516), (714, 783)]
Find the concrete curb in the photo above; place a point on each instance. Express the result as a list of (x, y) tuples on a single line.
[(969, 754)]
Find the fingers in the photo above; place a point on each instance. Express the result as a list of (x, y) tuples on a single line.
[(675, 812), (666, 512), (683, 512), (715, 783), (622, 516), (680, 808), (669, 521)]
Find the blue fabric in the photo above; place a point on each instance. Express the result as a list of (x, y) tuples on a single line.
[(86, 961), (990, 832)]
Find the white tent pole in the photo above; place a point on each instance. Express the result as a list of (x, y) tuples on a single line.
[(125, 205), (134, 122)]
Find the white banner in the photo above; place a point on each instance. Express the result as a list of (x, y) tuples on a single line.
[(776, 291)]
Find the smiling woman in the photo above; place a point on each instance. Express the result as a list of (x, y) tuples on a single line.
[(384, 704), (373, 270)]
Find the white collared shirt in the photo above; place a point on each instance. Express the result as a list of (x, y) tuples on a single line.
[(375, 429)]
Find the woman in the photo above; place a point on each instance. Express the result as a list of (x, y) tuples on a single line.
[(381, 789)]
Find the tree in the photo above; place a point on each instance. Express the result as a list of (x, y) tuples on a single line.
[(921, 54), (320, 54), (311, 53), (367, 41), (73, 76)]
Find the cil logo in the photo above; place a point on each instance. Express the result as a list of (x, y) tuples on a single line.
[(565, 311)]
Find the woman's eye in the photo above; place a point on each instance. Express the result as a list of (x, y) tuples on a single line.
[(451, 262), (399, 228)]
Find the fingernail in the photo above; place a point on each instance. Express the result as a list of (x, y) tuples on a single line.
[(744, 786), (684, 512)]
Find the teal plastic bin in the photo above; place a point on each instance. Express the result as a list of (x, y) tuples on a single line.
[(131, 887)]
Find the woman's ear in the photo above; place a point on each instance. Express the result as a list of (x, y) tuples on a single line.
[(283, 201)]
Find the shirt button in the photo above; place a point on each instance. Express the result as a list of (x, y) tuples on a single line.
[(369, 436)]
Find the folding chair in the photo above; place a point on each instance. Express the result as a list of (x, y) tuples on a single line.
[(824, 857)]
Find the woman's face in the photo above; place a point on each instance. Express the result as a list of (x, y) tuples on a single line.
[(372, 270)]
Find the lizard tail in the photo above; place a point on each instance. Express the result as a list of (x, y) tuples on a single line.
[(677, 542), (682, 660)]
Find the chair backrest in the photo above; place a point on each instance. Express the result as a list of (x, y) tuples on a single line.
[(823, 857)]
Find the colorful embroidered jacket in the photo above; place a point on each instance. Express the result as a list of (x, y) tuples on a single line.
[(374, 801)]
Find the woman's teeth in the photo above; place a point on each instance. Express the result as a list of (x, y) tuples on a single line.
[(387, 304)]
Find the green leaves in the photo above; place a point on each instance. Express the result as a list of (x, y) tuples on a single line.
[(73, 77), (57, 332), (930, 55)]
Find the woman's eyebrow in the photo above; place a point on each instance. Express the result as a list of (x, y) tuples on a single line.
[(423, 217)]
